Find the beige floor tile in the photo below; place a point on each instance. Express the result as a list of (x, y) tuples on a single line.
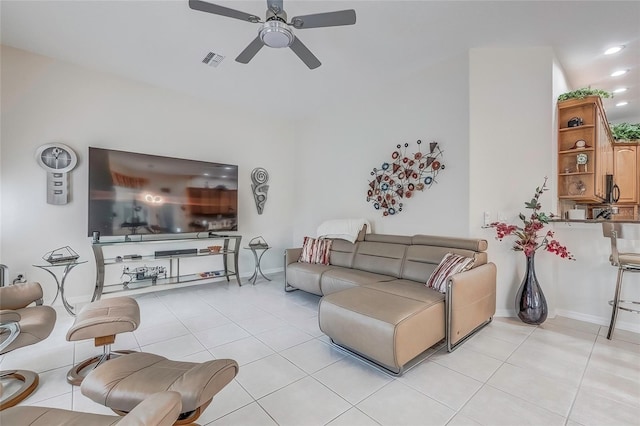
[(397, 404), (353, 417), (441, 384), (468, 362), (204, 322), (352, 379), (292, 406), (244, 351), (267, 375), (221, 335), (283, 338), (313, 355), (262, 323), (202, 356), (491, 346), (460, 420), (553, 394), (249, 415), (491, 406), (572, 324), (619, 388), (52, 383), (231, 398), (591, 409), (510, 329), (555, 361), (622, 335), (175, 348)]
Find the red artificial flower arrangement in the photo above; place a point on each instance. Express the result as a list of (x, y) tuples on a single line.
[(527, 238)]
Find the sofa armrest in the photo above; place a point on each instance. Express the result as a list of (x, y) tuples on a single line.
[(20, 295), (292, 255), (470, 303)]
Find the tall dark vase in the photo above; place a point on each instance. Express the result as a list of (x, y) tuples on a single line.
[(530, 302)]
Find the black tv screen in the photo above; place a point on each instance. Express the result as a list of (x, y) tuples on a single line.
[(131, 193)]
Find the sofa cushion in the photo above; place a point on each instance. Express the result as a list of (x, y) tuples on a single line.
[(421, 260), (451, 264), (409, 289), (386, 328), (306, 276), (315, 251), (380, 257), (338, 279), (342, 252)]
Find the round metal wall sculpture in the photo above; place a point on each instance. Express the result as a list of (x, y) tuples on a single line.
[(403, 176), (259, 179)]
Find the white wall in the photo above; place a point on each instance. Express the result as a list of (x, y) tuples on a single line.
[(45, 101), (511, 151), (338, 148)]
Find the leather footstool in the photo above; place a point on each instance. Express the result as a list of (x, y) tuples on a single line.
[(384, 325), (102, 320), (124, 382)]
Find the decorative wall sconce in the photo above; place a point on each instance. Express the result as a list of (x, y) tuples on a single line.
[(259, 179), (58, 160), (404, 175)]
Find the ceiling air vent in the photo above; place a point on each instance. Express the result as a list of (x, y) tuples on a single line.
[(212, 59)]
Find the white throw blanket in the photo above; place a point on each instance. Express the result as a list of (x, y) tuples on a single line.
[(346, 229)]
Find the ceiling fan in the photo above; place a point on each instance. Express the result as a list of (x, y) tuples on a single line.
[(275, 31)]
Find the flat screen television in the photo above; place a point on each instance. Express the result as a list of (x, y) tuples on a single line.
[(131, 193)]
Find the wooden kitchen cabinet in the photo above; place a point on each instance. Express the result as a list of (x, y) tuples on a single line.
[(625, 171), (585, 152)]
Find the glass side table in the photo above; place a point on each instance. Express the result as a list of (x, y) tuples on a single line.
[(257, 258), (52, 268)]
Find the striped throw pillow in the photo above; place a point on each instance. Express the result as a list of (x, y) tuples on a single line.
[(315, 251), (449, 265)]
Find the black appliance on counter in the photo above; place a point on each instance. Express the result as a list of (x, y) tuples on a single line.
[(613, 190)]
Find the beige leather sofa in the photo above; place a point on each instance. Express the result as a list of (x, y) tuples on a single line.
[(375, 302)]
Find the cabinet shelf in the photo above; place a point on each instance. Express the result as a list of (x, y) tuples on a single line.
[(569, 129), (576, 151), (229, 253), (575, 173)]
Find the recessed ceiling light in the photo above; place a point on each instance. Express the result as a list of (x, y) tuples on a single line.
[(620, 90), (618, 73), (623, 103), (612, 50)]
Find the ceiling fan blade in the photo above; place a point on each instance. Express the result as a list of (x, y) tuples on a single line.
[(250, 51), (275, 5), (305, 54), (223, 11), (329, 19)]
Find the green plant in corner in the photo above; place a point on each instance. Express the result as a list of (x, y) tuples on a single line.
[(626, 131), (583, 93)]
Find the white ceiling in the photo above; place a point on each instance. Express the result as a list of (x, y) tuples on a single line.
[(163, 43)]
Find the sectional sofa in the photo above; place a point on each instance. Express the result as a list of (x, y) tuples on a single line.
[(375, 302)]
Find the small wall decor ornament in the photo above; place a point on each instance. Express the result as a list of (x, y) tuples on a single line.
[(259, 179), (403, 176), (58, 160)]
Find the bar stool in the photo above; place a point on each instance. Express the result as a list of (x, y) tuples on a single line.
[(626, 262)]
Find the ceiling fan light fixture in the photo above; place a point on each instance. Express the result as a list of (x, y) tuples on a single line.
[(276, 34)]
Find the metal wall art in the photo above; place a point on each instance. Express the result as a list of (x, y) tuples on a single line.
[(405, 174), (259, 179)]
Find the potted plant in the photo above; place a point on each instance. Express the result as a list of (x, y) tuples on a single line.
[(531, 304), (626, 132), (583, 93)]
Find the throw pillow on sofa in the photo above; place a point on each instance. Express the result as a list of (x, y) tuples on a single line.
[(315, 251), (449, 265)]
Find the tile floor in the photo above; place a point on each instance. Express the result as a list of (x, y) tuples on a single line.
[(564, 372)]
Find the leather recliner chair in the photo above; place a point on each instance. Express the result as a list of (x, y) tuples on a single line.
[(22, 325)]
